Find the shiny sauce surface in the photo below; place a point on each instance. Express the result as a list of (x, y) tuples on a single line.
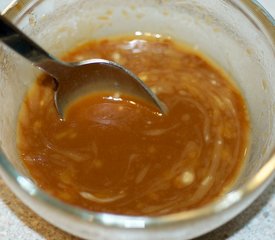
[(115, 154)]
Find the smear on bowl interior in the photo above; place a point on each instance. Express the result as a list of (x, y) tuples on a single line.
[(114, 154)]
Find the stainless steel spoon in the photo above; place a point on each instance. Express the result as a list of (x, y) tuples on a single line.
[(80, 78)]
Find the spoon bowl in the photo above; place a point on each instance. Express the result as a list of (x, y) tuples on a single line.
[(77, 79), (96, 75)]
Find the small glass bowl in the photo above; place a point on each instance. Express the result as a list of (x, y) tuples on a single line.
[(238, 35)]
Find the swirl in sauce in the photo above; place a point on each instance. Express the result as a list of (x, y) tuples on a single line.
[(115, 154)]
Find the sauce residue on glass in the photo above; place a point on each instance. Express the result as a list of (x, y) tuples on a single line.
[(114, 154)]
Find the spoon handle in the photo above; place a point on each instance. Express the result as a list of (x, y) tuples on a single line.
[(23, 45)]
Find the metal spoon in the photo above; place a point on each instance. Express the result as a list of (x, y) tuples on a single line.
[(80, 78)]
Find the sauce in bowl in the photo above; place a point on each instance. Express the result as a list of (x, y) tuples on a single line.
[(115, 154)]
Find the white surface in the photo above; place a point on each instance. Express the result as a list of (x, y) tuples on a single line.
[(19, 223)]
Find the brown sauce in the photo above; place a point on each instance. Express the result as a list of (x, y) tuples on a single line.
[(114, 154)]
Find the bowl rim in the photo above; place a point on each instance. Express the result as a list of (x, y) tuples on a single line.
[(264, 176)]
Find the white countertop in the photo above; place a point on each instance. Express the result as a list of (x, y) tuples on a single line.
[(17, 222)]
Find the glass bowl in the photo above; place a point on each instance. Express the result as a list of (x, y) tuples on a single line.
[(238, 35)]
